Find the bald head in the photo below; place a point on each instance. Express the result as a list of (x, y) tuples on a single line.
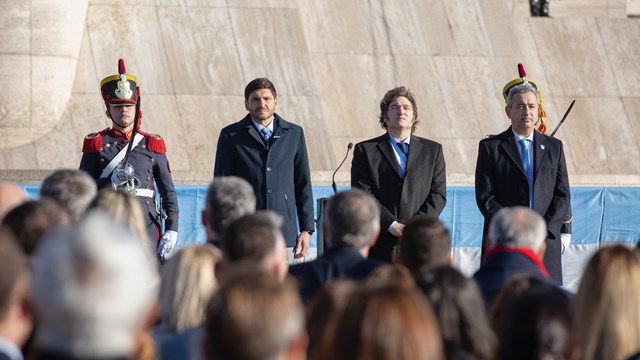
[(11, 195)]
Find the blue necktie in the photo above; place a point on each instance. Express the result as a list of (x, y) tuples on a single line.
[(266, 134), (404, 147), (402, 157), (526, 164)]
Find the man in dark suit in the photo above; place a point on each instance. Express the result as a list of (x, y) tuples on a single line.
[(523, 167), (405, 173), (271, 154), (518, 238), (352, 226)]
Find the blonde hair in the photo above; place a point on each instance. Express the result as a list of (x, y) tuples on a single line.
[(188, 281), (126, 210), (606, 311)]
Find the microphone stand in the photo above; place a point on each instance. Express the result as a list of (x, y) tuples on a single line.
[(333, 177)]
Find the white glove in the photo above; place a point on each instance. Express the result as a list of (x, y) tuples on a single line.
[(565, 239), (167, 244)]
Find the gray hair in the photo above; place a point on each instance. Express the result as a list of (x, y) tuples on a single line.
[(228, 198), (518, 227), (72, 189), (92, 285), (353, 217), (520, 88)]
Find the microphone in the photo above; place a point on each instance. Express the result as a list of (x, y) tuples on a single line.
[(333, 177)]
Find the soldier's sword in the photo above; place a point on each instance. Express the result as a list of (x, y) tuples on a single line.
[(563, 118)]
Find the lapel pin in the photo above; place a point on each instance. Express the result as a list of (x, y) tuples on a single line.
[(542, 147)]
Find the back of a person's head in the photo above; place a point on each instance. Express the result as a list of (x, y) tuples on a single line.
[(252, 237), (425, 241), (92, 288), (606, 311), (72, 189), (386, 322), (254, 316), (33, 220), (518, 227), (14, 268), (188, 281), (126, 210), (536, 325), (353, 218), (391, 274), (11, 195), (457, 303), (323, 310), (509, 291), (257, 239), (228, 198)]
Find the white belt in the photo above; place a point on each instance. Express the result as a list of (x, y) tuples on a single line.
[(144, 193)]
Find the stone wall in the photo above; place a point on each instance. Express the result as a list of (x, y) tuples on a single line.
[(331, 62)]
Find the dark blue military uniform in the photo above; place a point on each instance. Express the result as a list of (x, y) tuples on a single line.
[(151, 166), (148, 158)]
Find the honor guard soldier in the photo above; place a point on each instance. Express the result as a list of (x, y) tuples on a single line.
[(127, 159)]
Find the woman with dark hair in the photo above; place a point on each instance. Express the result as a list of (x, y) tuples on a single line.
[(323, 310), (536, 325), (459, 307), (514, 287), (384, 322), (396, 275)]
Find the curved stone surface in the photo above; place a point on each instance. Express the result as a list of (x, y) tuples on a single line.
[(331, 62), (38, 61)]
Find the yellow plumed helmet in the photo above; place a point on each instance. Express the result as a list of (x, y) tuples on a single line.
[(524, 79), (121, 88)]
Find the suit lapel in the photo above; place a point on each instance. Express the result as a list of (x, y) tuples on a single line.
[(414, 153), (384, 144), (540, 151), (280, 127), (511, 148), (253, 132)]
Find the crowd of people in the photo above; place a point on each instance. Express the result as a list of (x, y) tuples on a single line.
[(81, 281), (91, 269)]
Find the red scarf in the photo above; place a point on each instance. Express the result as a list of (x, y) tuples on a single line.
[(528, 253)]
